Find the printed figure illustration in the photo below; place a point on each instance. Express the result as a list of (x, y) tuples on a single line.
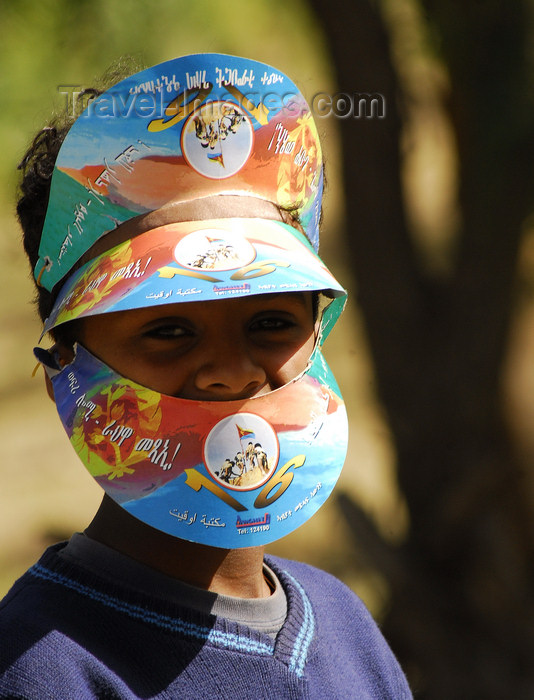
[(214, 249), (218, 251), (217, 139), (209, 133), (249, 467), (256, 451)]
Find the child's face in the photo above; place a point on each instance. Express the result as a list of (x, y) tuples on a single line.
[(213, 351)]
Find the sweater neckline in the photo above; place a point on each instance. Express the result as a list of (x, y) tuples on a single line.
[(292, 643), (263, 614)]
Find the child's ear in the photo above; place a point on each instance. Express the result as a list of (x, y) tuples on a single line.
[(63, 355)]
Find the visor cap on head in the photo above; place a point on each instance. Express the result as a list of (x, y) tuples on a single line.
[(192, 127), (195, 261)]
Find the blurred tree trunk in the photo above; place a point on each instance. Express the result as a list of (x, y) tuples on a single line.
[(462, 609)]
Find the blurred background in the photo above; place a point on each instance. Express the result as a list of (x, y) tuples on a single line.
[(429, 223)]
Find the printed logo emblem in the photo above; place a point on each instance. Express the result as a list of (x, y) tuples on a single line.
[(241, 451), (217, 139), (214, 249)]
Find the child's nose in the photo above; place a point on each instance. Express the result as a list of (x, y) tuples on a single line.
[(228, 371)]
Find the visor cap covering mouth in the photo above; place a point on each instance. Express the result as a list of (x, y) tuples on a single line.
[(173, 474), (192, 127)]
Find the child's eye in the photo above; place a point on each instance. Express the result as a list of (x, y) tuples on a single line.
[(272, 323), (168, 331)]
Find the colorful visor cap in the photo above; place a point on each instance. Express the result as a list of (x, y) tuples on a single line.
[(195, 126), (195, 261), (223, 473)]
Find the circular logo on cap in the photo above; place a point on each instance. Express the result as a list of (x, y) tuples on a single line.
[(241, 451), (217, 139), (214, 249)]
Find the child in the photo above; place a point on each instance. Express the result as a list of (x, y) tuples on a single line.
[(174, 248)]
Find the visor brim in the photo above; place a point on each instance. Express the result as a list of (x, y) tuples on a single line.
[(194, 261)]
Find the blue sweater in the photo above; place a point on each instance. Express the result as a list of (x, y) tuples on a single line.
[(68, 634)]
